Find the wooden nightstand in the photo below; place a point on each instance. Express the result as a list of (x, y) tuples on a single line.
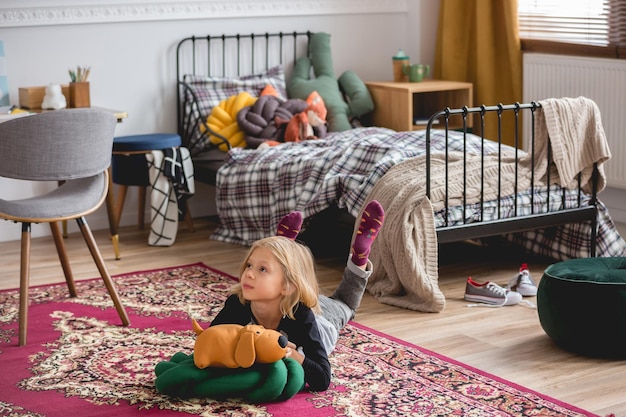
[(408, 106)]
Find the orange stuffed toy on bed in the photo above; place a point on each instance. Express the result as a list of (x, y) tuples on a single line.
[(236, 346), (309, 124)]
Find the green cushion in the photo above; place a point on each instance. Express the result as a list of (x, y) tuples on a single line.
[(582, 305), (262, 382), (326, 84)]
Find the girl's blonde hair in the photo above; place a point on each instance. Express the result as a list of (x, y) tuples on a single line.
[(298, 268)]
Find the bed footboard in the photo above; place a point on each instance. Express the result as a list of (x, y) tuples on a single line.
[(585, 210)]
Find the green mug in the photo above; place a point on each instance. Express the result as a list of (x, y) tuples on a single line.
[(416, 72)]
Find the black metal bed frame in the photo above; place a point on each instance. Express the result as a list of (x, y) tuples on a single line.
[(252, 52), (501, 226), (227, 56)]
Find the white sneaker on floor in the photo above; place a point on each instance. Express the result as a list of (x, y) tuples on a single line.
[(523, 283), (490, 293)]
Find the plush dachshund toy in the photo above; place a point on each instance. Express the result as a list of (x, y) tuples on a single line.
[(232, 361), (236, 346)]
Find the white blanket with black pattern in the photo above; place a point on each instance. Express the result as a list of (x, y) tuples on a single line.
[(171, 178)]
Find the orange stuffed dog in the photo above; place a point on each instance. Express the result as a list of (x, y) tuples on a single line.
[(309, 124), (236, 346)]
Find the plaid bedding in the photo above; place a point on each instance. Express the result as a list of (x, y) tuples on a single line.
[(563, 242), (255, 188)]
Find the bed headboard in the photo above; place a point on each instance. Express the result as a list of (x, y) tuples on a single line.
[(229, 56)]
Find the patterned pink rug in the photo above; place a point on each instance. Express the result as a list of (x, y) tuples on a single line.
[(79, 361)]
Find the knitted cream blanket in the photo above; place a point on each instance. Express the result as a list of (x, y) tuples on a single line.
[(577, 139), (405, 253)]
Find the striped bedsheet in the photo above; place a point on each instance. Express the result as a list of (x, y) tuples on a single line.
[(255, 188)]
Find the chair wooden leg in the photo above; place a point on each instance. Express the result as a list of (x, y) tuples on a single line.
[(141, 207), (24, 283), (123, 189), (188, 218), (113, 222), (65, 263), (104, 273)]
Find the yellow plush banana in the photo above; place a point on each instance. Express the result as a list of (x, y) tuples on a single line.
[(223, 121), (219, 116)]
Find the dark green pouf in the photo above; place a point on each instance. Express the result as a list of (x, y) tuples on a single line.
[(582, 305)]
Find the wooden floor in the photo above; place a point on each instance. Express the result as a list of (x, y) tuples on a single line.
[(507, 342)]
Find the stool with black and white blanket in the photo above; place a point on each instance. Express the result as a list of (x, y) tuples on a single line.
[(171, 177)]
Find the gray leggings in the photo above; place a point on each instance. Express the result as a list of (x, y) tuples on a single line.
[(340, 307)]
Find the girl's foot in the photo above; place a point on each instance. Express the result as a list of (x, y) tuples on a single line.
[(289, 226), (371, 222)]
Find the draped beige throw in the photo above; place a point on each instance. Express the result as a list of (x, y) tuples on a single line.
[(405, 254)]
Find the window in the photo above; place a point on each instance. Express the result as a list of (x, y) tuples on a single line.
[(583, 27)]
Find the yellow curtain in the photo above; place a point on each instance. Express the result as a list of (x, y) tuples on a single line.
[(478, 42)]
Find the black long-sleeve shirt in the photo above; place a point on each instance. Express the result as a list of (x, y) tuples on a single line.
[(302, 331)]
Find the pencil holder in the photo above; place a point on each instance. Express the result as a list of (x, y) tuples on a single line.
[(79, 95)]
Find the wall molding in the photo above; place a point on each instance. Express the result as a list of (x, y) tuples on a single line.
[(39, 13)]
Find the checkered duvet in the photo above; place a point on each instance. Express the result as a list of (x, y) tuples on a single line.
[(255, 188)]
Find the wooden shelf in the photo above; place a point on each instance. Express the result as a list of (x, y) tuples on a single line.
[(398, 105)]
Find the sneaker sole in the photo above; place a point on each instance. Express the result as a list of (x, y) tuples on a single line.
[(526, 292), (486, 300)]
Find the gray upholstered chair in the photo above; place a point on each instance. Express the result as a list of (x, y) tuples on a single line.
[(72, 147)]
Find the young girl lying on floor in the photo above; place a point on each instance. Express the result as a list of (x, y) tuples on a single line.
[(278, 289)]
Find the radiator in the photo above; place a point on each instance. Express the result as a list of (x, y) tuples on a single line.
[(602, 80)]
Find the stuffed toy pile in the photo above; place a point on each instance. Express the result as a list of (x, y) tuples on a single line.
[(316, 105), (232, 361), (272, 120)]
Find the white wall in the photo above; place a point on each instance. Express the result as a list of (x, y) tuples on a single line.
[(131, 50)]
